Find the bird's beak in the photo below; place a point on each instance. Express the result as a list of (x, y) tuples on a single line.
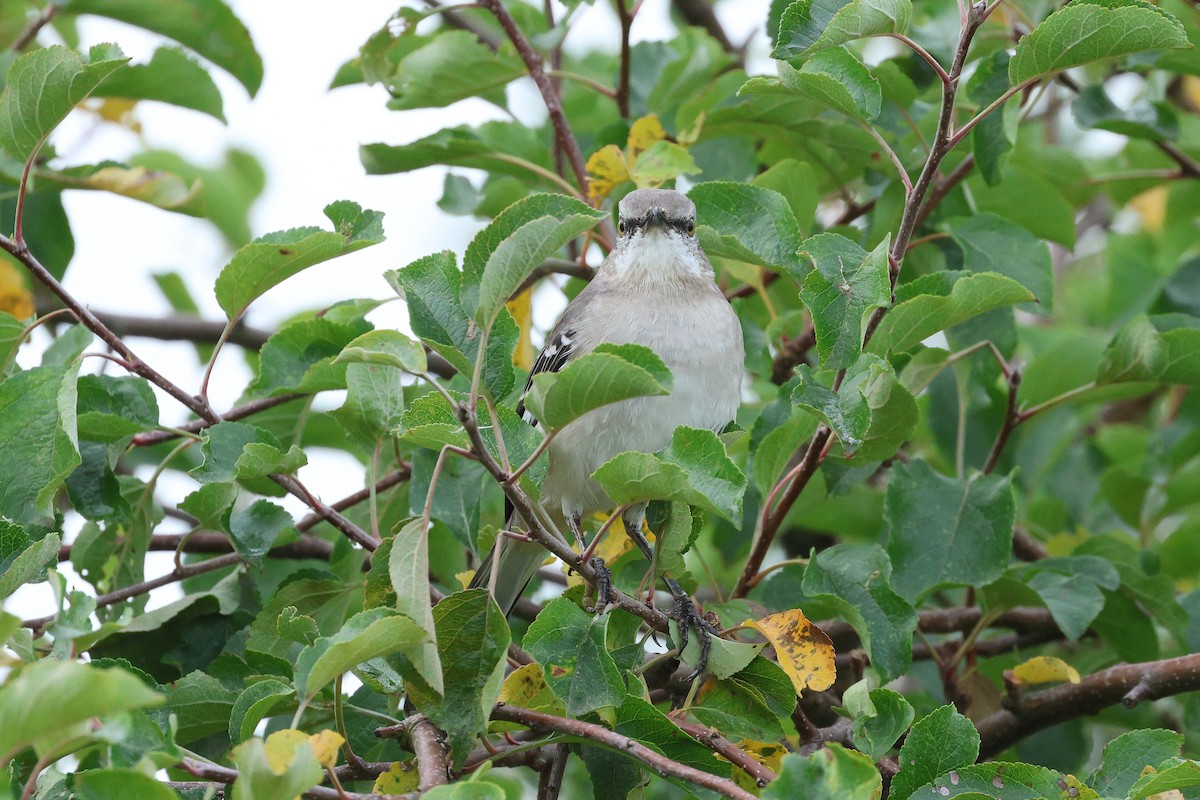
[(657, 218)]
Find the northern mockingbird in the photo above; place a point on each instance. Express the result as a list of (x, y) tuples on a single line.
[(656, 289)]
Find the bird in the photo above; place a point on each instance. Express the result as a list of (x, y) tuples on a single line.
[(656, 288)]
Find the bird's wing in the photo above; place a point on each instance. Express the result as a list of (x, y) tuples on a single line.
[(554, 356), (563, 342)]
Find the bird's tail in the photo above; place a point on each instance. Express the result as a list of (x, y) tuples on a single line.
[(515, 567)]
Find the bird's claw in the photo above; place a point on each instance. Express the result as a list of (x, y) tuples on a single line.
[(690, 617), (603, 583)]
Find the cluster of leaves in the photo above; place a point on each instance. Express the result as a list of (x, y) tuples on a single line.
[(972, 335)]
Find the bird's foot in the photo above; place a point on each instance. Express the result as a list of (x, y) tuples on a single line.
[(603, 584), (690, 618)]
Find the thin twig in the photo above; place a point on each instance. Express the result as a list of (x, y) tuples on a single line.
[(712, 739), (1011, 419), (924, 54), (232, 415), (31, 30), (626, 20)]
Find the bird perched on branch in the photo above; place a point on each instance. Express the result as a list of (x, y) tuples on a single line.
[(655, 289)]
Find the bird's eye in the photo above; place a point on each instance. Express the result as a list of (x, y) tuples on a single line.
[(621, 227), (691, 227)]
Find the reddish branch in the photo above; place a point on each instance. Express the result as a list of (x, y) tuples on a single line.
[(232, 415), (1024, 619), (660, 764), (178, 574), (429, 746), (218, 776), (735, 755), (1126, 683), (792, 353)]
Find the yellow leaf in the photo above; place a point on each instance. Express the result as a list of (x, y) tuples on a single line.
[(1151, 206), (1045, 669), (280, 748), (1191, 90), (118, 110), (692, 135), (1081, 792), (521, 307), (15, 297), (606, 168), (465, 577), (401, 778), (643, 133), (769, 754), (804, 651), (325, 745), (526, 687)]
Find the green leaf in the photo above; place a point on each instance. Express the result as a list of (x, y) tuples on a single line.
[(430, 422), (369, 634), (1162, 349), (1144, 119), (938, 743), (111, 408), (374, 402), (871, 413), (809, 25), (990, 243), (433, 288), (944, 530), (206, 26), (1093, 30), (1126, 756), (674, 536), (222, 446), (253, 530), (43, 702), (737, 710), (747, 223), (609, 374), (1171, 774), (835, 78), (254, 704), (408, 570), (301, 356), (23, 562), (844, 289), (386, 348), (259, 459), (999, 781), (694, 469), (38, 439), (466, 790), (569, 644), (834, 774), (525, 234), (473, 641), (201, 705), (271, 259), (42, 88), (506, 148), (157, 188), (994, 136), (726, 657), (114, 784), (857, 580), (453, 66), (797, 182), (280, 769), (915, 319), (168, 77), (881, 716)]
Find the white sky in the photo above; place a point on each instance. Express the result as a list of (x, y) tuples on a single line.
[(307, 139)]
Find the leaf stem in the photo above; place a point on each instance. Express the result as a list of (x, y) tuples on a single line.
[(924, 54)]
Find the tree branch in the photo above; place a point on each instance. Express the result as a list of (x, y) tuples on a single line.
[(660, 764), (429, 746), (216, 774), (735, 755), (625, 17), (31, 30), (793, 352), (1126, 683), (175, 575), (232, 415), (700, 13)]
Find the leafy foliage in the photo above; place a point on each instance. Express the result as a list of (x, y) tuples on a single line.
[(966, 464)]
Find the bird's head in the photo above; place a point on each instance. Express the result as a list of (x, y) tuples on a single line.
[(658, 238)]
